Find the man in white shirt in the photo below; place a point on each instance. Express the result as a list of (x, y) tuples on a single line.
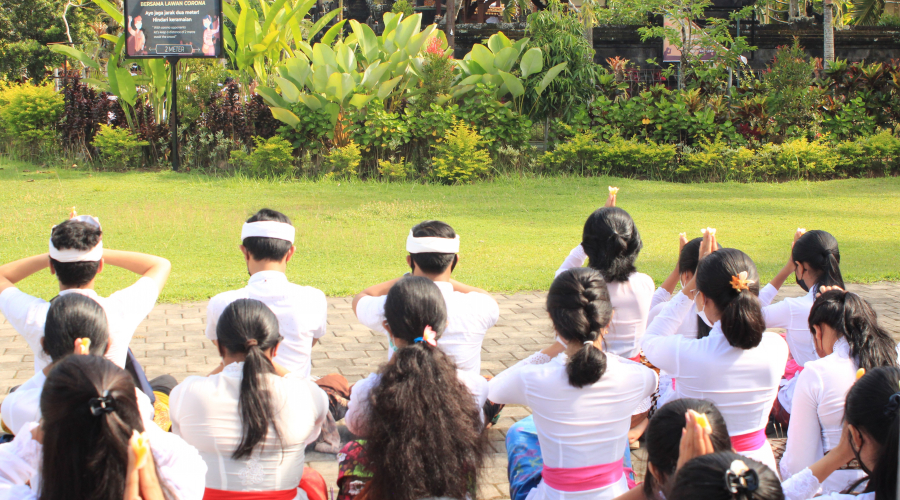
[(268, 245), (76, 257), (433, 248)]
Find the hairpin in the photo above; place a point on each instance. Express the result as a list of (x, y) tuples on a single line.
[(428, 336), (740, 282), (740, 477), (103, 404), (588, 342), (141, 447), (83, 346)]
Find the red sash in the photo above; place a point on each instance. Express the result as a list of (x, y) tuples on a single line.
[(751, 441), (211, 494), (582, 478), (636, 359)]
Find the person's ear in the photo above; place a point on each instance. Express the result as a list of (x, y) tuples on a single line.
[(686, 277), (53, 272), (100, 267), (274, 351), (658, 476), (290, 254), (387, 327), (411, 263), (245, 252), (855, 437)]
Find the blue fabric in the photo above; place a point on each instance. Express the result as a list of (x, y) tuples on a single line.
[(525, 463)]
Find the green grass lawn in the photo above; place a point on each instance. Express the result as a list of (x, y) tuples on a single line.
[(515, 232)]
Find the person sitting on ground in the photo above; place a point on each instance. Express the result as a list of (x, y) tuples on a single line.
[(92, 443), (76, 257), (739, 365), (815, 262), (725, 476), (419, 415), (267, 244), (250, 424), (582, 399), (847, 338), (663, 443)]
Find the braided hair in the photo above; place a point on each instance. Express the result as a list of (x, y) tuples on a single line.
[(612, 243), (578, 303)]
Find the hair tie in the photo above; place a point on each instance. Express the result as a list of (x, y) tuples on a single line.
[(428, 336), (739, 478), (588, 342), (103, 404), (740, 282), (251, 343), (893, 405)]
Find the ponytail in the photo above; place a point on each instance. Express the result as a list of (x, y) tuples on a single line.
[(729, 278), (873, 405), (819, 250), (249, 327), (74, 316), (725, 475), (854, 320), (612, 243), (420, 409), (578, 303)]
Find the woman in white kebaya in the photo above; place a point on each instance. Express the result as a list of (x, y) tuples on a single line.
[(738, 366), (846, 337), (581, 397), (250, 424), (815, 261)]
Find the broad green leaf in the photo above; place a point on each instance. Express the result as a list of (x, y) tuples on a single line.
[(240, 29), (111, 10), (442, 99), (333, 110), (484, 57), (321, 23), (408, 27), (107, 36), (298, 70), (374, 74), (289, 90), (272, 97), (75, 54), (311, 102), (285, 116), (520, 44), (551, 74), (505, 59), (360, 100), (101, 85), (230, 13), (270, 40), (127, 88), (334, 90), (470, 80), (307, 49), (391, 21), (388, 87), (323, 55), (465, 89), (368, 41), (271, 14), (320, 78), (498, 42), (229, 38), (512, 83), (418, 40), (346, 58), (532, 62), (333, 32)]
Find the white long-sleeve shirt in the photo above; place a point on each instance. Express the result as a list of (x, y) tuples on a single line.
[(818, 413), (577, 427), (469, 316), (302, 313), (205, 412), (358, 407), (631, 307), (792, 314), (180, 467), (124, 309), (804, 486), (743, 383)]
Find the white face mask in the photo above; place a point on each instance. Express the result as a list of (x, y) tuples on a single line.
[(702, 314), (137, 26)]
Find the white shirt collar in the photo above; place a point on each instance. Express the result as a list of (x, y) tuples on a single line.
[(272, 276), (842, 348), (236, 368), (89, 292), (445, 286)]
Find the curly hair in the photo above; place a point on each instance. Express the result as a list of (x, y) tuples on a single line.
[(426, 437)]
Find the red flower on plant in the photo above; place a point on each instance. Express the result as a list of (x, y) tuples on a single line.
[(435, 47)]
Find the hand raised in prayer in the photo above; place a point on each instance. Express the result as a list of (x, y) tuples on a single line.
[(695, 440), (141, 481), (824, 289), (682, 241), (709, 243), (611, 200)]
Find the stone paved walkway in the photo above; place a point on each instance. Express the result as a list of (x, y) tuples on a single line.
[(171, 341)]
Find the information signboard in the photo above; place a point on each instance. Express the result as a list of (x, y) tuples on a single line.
[(173, 28)]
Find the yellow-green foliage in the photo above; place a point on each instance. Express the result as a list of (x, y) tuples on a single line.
[(395, 170), (586, 153), (119, 147), (30, 113), (461, 157), (343, 162), (271, 158)]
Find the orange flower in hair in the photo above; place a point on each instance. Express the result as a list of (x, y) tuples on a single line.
[(83, 346), (428, 336), (740, 282)]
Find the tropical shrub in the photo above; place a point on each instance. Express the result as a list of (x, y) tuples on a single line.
[(461, 157), (119, 147), (271, 158), (30, 113), (497, 123), (402, 7), (343, 162), (395, 170), (587, 154)]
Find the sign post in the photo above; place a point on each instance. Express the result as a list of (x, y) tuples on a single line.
[(171, 30)]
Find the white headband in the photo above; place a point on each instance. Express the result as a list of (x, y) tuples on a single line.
[(72, 255), (268, 229), (428, 244)]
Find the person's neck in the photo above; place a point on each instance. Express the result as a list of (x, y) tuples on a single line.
[(444, 276), (230, 357), (255, 266), (88, 286)]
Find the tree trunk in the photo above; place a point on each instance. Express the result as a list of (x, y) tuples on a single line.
[(828, 25), (589, 34), (793, 9)]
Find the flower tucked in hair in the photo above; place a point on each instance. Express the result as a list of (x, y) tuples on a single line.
[(83, 346), (740, 282), (429, 337)]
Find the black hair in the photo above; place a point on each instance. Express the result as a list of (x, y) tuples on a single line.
[(425, 434), (819, 250), (663, 439), (75, 235), (688, 259), (86, 455), (872, 406), (434, 263), (705, 477), (249, 327), (612, 243), (73, 316), (579, 307), (853, 319), (742, 320), (272, 249)]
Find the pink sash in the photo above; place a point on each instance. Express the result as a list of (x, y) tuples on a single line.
[(582, 478), (636, 359), (751, 441), (212, 494)]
